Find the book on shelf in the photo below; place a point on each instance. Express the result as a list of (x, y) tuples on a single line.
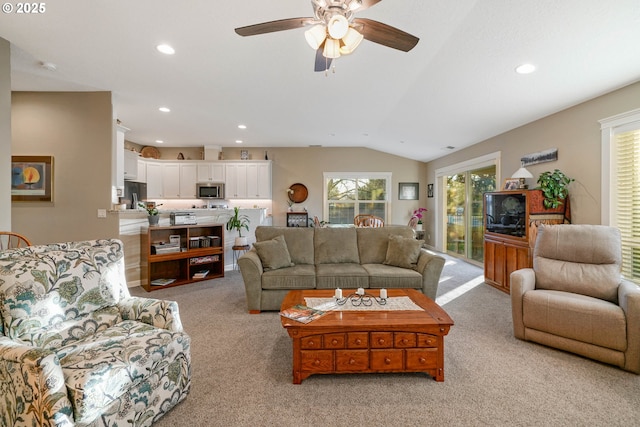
[(201, 274), (302, 313), (162, 282)]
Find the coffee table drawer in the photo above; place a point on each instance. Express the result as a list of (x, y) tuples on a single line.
[(312, 342), (427, 340), (334, 341), (390, 359), (422, 358), (317, 360), (381, 339), (352, 360), (404, 340), (358, 340)]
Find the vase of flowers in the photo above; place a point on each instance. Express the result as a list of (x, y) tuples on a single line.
[(416, 218), (152, 210)]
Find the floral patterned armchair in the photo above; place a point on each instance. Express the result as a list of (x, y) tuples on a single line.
[(76, 349)]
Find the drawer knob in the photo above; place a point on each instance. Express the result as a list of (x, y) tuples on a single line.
[(358, 341), (428, 341), (405, 341), (380, 341), (352, 361), (387, 360), (422, 360), (316, 362), (312, 344), (334, 341)]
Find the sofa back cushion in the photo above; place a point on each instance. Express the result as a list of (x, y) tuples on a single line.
[(336, 245), (299, 241), (45, 286), (374, 241), (582, 259)]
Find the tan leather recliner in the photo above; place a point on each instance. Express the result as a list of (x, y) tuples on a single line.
[(574, 297)]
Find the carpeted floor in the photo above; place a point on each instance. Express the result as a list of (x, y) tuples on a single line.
[(242, 371)]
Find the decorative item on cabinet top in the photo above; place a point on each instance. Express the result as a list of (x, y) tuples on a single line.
[(149, 152)]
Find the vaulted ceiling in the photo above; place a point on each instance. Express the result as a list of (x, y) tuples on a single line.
[(457, 87)]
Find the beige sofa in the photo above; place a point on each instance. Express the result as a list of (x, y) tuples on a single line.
[(574, 298), (286, 258)]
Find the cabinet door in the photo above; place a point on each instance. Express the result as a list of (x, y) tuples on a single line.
[(516, 257), (210, 172), (142, 171), (154, 181), (259, 181), (236, 185), (130, 165), (217, 172), (170, 181), (188, 177)]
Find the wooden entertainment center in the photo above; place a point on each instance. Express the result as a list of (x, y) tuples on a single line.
[(181, 254)]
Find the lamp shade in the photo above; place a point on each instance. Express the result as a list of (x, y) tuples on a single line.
[(522, 173), (351, 41), (337, 26), (315, 36), (331, 48)]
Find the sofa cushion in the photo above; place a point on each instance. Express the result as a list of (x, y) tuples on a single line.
[(299, 241), (388, 276), (403, 251), (578, 317), (341, 275), (586, 263), (373, 242), (297, 277), (273, 253), (51, 284), (336, 246), (137, 353)]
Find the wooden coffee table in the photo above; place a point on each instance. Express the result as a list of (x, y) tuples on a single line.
[(368, 341)]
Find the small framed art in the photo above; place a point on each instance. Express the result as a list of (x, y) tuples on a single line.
[(408, 190), (244, 154), (31, 178), (511, 184), (429, 190)]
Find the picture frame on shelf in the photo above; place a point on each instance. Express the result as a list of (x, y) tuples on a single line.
[(244, 154), (408, 190), (511, 184), (31, 178)]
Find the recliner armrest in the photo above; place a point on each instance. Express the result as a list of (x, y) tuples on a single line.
[(159, 313), (430, 265), (34, 379), (629, 301), (522, 280)]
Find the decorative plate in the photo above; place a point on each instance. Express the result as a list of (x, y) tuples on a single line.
[(149, 152), (299, 194)]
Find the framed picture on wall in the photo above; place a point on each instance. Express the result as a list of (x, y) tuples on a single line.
[(429, 190), (408, 191), (31, 178)]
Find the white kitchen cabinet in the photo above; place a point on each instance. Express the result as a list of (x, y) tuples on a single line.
[(130, 165), (142, 170), (211, 172), (236, 181), (259, 181), (188, 179), (163, 180), (154, 181)]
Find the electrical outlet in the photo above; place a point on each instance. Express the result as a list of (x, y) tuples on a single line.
[(102, 213)]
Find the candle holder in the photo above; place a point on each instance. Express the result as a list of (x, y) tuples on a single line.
[(364, 299)]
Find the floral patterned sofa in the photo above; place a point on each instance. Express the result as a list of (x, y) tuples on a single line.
[(76, 349)]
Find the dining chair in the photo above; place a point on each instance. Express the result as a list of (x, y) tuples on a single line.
[(10, 240)]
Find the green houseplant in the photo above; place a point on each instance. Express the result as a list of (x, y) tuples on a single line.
[(554, 188), (238, 222)]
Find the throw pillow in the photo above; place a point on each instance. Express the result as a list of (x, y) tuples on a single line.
[(403, 251), (274, 253)]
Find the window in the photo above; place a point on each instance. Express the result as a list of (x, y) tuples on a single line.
[(348, 194), (621, 185)]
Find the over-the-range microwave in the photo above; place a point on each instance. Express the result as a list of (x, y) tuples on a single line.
[(210, 190)]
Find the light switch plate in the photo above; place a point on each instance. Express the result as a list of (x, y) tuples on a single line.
[(102, 213)]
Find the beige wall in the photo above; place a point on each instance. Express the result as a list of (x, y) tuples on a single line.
[(77, 130), (575, 132), (5, 135)]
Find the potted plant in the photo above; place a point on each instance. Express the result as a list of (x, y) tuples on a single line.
[(554, 188), (238, 222), (152, 210), (417, 218)]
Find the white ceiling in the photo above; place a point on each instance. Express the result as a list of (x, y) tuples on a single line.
[(457, 87)]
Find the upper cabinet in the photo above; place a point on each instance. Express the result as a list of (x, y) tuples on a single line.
[(211, 172), (130, 165), (259, 180)]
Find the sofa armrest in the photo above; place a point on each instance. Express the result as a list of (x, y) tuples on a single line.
[(522, 280), (251, 269), (33, 388), (430, 265), (159, 313), (629, 300)]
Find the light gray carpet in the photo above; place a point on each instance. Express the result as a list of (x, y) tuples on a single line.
[(242, 371)]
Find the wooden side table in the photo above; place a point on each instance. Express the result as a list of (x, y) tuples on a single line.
[(238, 251)]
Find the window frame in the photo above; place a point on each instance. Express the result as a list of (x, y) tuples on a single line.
[(387, 176)]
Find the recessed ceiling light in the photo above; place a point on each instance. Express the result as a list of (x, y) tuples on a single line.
[(525, 69), (242, 126), (238, 141), (159, 141), (166, 49), (164, 109)]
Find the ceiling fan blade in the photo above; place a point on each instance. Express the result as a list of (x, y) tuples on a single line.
[(386, 35), (273, 26), (322, 63), (366, 4)]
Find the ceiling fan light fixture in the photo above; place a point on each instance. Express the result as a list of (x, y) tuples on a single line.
[(355, 5), (331, 48), (337, 26), (315, 36), (351, 41)]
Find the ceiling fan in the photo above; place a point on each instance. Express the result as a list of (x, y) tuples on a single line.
[(335, 31)]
